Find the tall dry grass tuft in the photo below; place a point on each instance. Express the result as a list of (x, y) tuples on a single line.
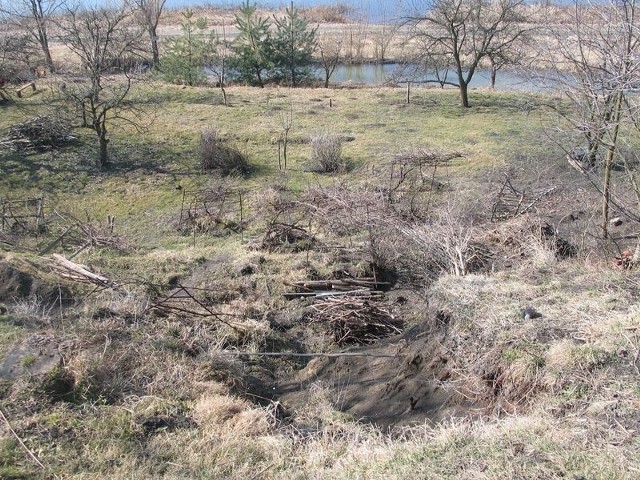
[(326, 154), (216, 155), (224, 414)]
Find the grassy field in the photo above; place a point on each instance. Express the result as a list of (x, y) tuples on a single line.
[(97, 384), (377, 123)]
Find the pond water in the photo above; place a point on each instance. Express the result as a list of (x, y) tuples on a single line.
[(376, 74)]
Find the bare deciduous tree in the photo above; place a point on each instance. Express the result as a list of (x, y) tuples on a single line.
[(32, 17), (149, 12), (330, 55), (384, 28), (467, 31), (100, 38), (217, 62), (595, 55)]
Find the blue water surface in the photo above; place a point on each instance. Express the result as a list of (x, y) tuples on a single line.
[(372, 10)]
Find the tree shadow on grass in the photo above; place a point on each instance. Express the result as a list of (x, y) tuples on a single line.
[(482, 101), (72, 168), (60, 170), (497, 102), (187, 95)]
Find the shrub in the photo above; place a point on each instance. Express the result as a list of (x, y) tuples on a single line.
[(187, 55), (326, 154), (215, 155)]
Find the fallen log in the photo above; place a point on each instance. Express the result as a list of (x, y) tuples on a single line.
[(72, 271), (338, 284), (293, 354), (333, 293)]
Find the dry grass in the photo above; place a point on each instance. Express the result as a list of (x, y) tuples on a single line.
[(561, 390), (555, 413)]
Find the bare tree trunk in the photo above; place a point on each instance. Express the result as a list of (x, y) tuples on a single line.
[(608, 165), (44, 42), (494, 72), (464, 94), (155, 52), (100, 127), (224, 93), (259, 77), (39, 16), (103, 158), (223, 68), (606, 192)]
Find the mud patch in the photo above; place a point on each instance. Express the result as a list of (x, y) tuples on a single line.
[(37, 356), (13, 283), (18, 282), (404, 381)]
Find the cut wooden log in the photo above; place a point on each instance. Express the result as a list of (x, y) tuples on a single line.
[(24, 87), (72, 271), (333, 293), (340, 284)]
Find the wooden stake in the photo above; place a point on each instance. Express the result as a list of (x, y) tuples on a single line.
[(241, 219), (279, 154)]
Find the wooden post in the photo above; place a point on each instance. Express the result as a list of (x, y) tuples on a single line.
[(241, 219), (330, 102), (408, 92), (184, 193), (39, 214), (279, 154)]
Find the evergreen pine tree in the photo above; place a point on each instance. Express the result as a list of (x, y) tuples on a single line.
[(253, 52), (293, 45), (188, 54)]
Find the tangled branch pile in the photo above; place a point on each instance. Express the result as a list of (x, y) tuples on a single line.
[(355, 320), (284, 237), (39, 133), (423, 157), (342, 211), (79, 236)]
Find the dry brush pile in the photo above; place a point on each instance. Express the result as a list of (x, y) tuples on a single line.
[(355, 319), (39, 133)]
